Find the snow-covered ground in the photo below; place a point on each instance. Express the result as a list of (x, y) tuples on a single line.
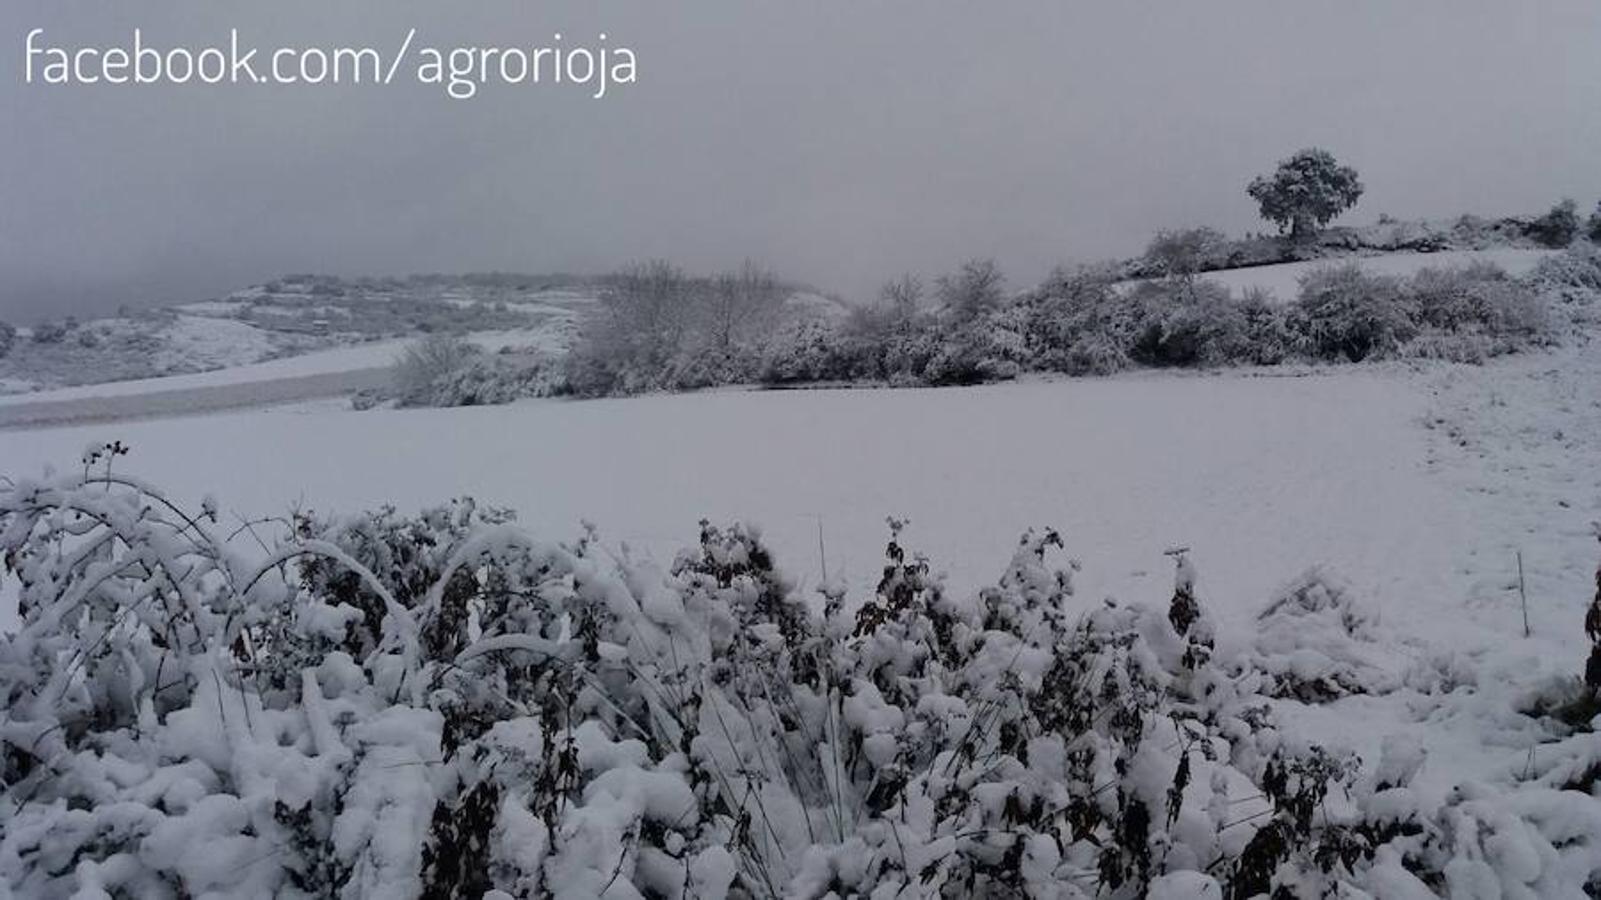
[(321, 362), (1126, 467), (1261, 474), (354, 358), (1284, 280), (337, 324), (1418, 485)]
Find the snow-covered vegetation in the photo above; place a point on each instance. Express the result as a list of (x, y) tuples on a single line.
[(659, 329), (445, 706), (199, 701), (288, 318)]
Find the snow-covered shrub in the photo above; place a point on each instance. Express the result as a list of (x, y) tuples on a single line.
[(867, 346), (424, 364), (440, 706), (803, 352), (990, 348), (711, 366), (1184, 253), (487, 380), (1079, 323), (1274, 332), (1573, 276), (448, 371), (1315, 642), (1351, 314), (1472, 312), (1558, 227), (1477, 297), (53, 332), (1084, 323), (8, 337), (1195, 323)]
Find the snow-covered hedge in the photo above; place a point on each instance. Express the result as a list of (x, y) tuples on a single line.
[(445, 370), (1088, 323), (443, 705), (1091, 321)]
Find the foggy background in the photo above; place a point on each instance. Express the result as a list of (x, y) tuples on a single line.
[(838, 142)]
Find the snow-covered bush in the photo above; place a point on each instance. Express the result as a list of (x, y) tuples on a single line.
[(1079, 323), (500, 378), (1573, 276), (1352, 314), (427, 362), (1476, 297), (1315, 642), (804, 352), (1558, 227), (711, 366), (1470, 313), (53, 332), (1188, 324), (440, 706), (988, 349), (449, 371)]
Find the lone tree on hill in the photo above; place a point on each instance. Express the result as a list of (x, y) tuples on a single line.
[(1306, 192)]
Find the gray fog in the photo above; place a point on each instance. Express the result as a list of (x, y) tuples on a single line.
[(839, 142)]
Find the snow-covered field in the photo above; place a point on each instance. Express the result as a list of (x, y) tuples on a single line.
[(1283, 280), (1261, 474), (343, 370), (321, 362)]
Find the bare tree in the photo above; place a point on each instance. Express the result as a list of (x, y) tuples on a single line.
[(645, 313), (902, 298), (971, 291), (739, 301)]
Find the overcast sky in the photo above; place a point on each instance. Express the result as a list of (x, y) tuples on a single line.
[(841, 142)]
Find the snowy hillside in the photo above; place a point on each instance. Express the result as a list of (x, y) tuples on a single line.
[(291, 318), (1282, 280), (1163, 633)]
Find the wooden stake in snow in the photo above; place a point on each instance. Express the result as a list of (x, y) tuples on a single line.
[(822, 553), (1523, 595)]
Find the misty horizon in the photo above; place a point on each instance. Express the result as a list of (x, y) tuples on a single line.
[(838, 147)]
